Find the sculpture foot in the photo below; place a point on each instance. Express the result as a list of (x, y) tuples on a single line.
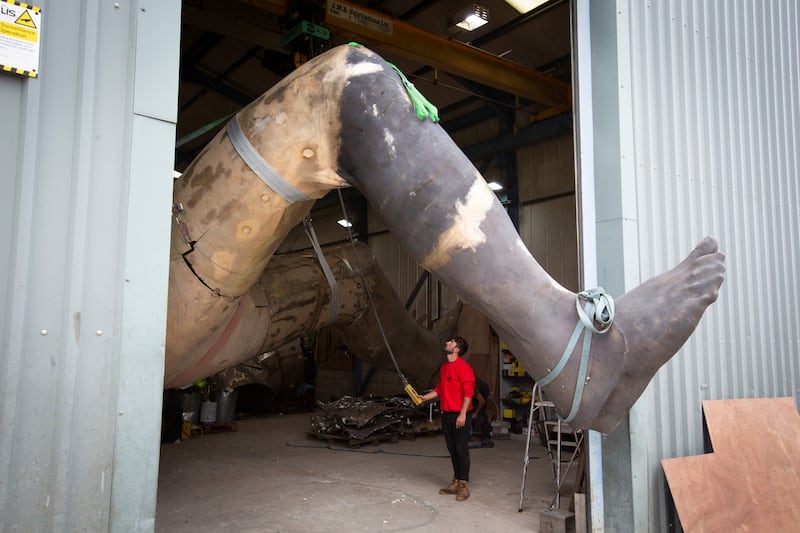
[(652, 322)]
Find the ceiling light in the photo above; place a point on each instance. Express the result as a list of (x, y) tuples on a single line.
[(523, 6), (495, 186), (343, 222), (472, 19)]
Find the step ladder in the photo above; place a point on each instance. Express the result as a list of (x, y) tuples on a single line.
[(558, 447)]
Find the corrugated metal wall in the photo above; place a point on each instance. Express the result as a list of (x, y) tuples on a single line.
[(86, 192), (709, 105), (547, 218)]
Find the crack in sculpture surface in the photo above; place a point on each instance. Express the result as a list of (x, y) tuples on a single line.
[(342, 120)]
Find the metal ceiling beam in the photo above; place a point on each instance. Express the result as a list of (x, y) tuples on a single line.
[(391, 35), (510, 142), (238, 29), (276, 7), (192, 74), (413, 43)]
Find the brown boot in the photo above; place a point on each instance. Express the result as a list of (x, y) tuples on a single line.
[(452, 488), (462, 493)]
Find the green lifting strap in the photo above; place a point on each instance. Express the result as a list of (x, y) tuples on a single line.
[(423, 107), (599, 308)]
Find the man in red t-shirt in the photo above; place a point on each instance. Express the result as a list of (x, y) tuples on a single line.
[(455, 390)]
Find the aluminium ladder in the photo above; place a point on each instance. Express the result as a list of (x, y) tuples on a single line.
[(555, 448)]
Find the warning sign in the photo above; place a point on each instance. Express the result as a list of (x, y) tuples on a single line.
[(20, 26), (26, 20)]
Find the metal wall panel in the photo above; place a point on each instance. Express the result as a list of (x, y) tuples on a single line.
[(11, 91), (432, 301), (549, 231), (547, 217), (547, 169), (709, 121), (85, 274), (488, 129)]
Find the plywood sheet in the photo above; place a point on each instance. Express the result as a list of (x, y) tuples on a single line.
[(751, 481)]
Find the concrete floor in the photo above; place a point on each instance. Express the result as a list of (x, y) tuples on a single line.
[(269, 476)]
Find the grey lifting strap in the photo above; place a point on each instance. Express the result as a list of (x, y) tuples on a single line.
[(274, 181), (599, 308), (257, 164), (312, 236)]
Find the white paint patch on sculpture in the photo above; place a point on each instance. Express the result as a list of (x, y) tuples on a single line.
[(465, 233), (389, 138), (358, 69)]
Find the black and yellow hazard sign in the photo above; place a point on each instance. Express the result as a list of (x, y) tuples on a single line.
[(26, 20), (20, 28)]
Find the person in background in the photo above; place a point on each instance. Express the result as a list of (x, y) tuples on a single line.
[(307, 390), (479, 402), (455, 390)]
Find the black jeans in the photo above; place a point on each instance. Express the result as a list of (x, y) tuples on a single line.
[(457, 440)]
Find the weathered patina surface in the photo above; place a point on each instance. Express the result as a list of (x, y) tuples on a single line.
[(345, 119), (292, 297)]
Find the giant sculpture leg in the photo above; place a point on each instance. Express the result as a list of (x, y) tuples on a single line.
[(298, 283), (292, 297), (346, 119)]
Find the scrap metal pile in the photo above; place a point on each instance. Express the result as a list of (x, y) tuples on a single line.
[(375, 418)]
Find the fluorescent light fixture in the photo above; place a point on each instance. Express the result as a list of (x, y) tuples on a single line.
[(343, 222), (472, 19), (523, 6), (495, 186)]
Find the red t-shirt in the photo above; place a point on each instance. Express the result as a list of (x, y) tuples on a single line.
[(456, 381)]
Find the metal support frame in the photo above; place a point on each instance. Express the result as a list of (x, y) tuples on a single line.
[(555, 503)]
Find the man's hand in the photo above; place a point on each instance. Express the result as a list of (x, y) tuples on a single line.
[(461, 420)]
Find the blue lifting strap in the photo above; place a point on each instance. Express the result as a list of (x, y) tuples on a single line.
[(599, 309)]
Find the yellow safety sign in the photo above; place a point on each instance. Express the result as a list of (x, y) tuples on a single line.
[(20, 26), (26, 20)]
